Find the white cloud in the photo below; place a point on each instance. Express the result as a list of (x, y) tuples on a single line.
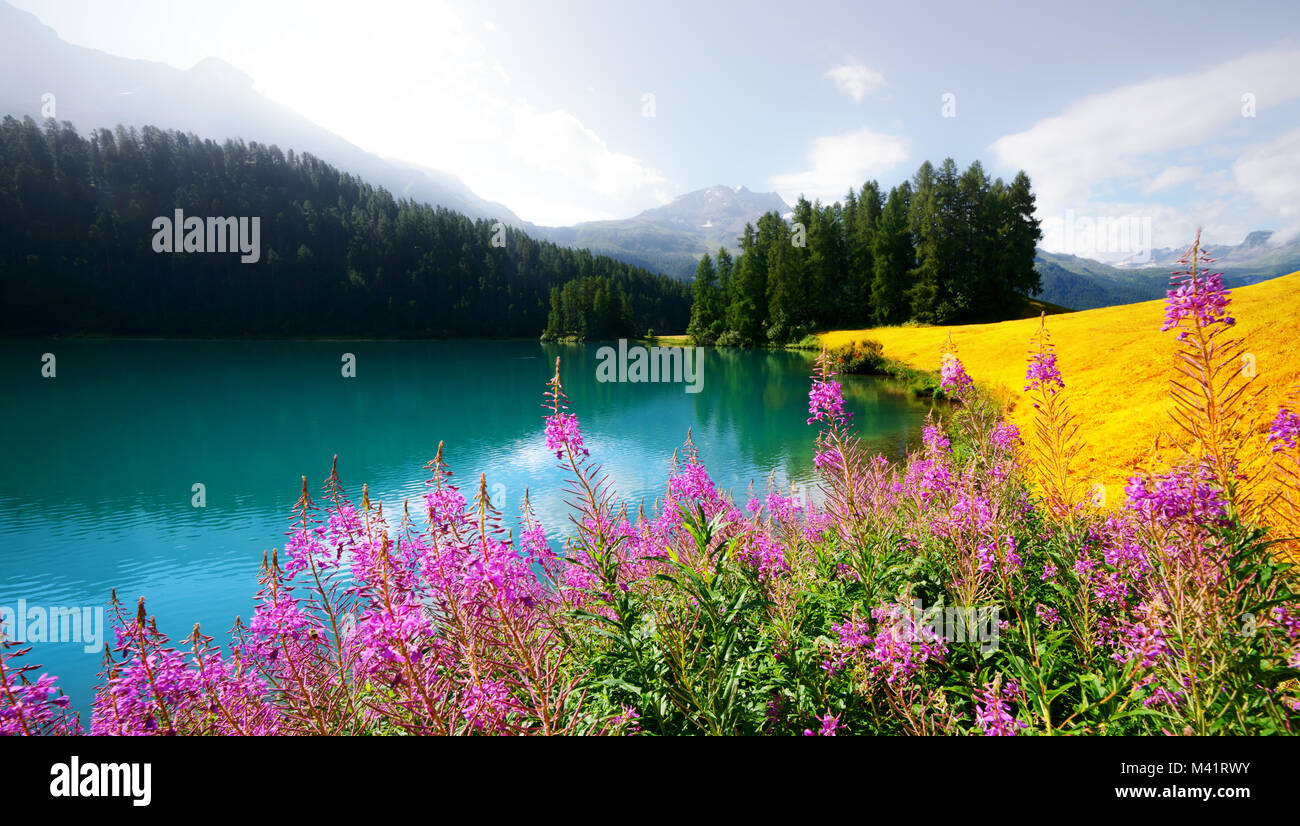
[(1102, 151), (553, 170), (557, 142), (1272, 174), (1171, 177), (838, 162), (856, 80)]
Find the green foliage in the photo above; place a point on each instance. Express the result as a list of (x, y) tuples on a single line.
[(947, 247), (338, 257), (703, 642), (865, 356), (707, 308)]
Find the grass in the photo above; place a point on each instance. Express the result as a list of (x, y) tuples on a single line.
[(1117, 368), (673, 341)]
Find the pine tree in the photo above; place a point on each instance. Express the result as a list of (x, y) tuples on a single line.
[(949, 224), (724, 268), (974, 270), (893, 259), (706, 309), (826, 269), (1021, 239), (788, 301), (924, 292), (748, 307), (860, 233)]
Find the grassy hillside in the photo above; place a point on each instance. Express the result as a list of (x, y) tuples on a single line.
[(1116, 363)]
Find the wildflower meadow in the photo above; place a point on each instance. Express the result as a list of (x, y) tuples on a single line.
[(975, 588)]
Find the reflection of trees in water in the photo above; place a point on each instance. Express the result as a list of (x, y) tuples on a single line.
[(765, 402)]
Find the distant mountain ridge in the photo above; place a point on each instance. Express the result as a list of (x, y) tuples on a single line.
[(670, 239), (1085, 284), (1255, 246)]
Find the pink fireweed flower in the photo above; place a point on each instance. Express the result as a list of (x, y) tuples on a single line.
[(826, 398), (784, 508), (1008, 561), (1196, 297), (1184, 493), (692, 482), (854, 638), (1043, 373), (501, 574), (766, 554), (36, 707), (1284, 430), (826, 402), (993, 715), (487, 705), (445, 508), (536, 546), (829, 724), (629, 720), (952, 375), (1121, 550), (562, 431), (145, 690), (817, 524), (1012, 554), (1287, 620), (932, 436), (971, 511), (280, 615), (305, 549), (388, 638), (1005, 436), (691, 487), (1143, 642), (928, 479), (1164, 697), (902, 645)]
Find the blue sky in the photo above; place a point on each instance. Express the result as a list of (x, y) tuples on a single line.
[(1114, 109)]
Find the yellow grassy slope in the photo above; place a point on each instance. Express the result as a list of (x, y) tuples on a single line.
[(1117, 367)]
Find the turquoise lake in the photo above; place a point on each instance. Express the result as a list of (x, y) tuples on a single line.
[(99, 464)]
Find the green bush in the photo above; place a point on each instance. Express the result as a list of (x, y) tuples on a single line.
[(859, 357)]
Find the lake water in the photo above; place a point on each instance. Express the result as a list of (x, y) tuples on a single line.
[(99, 463)]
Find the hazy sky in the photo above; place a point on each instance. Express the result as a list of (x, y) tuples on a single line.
[(1113, 110)]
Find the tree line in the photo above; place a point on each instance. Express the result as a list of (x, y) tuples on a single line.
[(946, 247), (338, 257)]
